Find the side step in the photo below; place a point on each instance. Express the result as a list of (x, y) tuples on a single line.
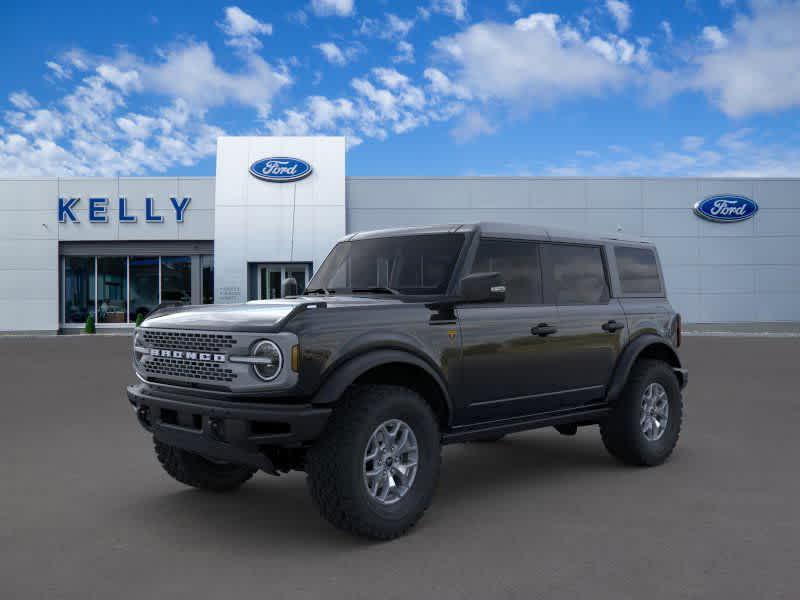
[(585, 414)]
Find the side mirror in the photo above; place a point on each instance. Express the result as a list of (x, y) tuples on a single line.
[(289, 287), (483, 287)]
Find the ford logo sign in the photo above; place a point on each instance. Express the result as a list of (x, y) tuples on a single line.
[(280, 169), (726, 209)]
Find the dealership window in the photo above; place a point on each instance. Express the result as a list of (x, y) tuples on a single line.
[(144, 285), (112, 289), (116, 289), (638, 271), (79, 288), (176, 279), (207, 271)]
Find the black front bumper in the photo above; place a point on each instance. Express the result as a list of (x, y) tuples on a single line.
[(230, 431)]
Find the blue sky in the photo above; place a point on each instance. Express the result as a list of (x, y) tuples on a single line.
[(439, 87)]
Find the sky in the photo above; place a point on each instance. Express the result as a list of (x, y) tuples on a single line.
[(429, 88)]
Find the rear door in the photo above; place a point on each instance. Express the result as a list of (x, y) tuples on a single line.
[(592, 326), (508, 370)]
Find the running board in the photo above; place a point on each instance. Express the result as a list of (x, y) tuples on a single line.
[(469, 432)]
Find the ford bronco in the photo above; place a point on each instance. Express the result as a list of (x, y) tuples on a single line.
[(405, 340)]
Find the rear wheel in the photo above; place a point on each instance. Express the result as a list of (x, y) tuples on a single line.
[(375, 468), (197, 471), (645, 422)]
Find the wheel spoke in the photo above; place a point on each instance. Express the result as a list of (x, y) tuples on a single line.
[(390, 461)]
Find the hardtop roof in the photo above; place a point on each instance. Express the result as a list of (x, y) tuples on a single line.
[(500, 229)]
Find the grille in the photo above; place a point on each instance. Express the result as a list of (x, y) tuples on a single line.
[(182, 340), (192, 369)]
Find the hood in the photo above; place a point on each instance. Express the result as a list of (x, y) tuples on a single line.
[(256, 316)]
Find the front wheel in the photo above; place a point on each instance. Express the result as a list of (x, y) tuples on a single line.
[(375, 468), (645, 422)]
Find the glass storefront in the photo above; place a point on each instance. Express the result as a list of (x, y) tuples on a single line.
[(79, 289), (176, 279), (144, 285), (117, 289), (112, 289)]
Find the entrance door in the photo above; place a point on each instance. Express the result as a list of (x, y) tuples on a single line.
[(272, 275)]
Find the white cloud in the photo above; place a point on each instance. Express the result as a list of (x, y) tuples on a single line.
[(22, 100), (472, 124), (715, 37), (621, 11), (339, 8), (666, 27), (336, 55), (243, 29), (90, 131), (441, 84), (514, 8), (397, 26), (727, 3), (735, 154), (537, 60), (385, 101), (692, 143), (453, 8), (58, 70), (758, 70), (405, 52)]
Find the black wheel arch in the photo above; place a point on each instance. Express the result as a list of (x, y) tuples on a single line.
[(389, 366), (644, 346)]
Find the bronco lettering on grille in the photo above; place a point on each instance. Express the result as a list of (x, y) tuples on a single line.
[(188, 355)]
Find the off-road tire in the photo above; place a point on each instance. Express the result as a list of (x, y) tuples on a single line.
[(335, 463), (196, 471), (621, 430)]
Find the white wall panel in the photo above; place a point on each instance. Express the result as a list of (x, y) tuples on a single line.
[(274, 222)]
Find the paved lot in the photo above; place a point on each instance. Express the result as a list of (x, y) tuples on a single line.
[(86, 512)]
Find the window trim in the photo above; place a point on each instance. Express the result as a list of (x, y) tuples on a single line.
[(548, 281), (474, 253)]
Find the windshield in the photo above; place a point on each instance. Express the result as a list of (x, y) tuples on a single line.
[(412, 264)]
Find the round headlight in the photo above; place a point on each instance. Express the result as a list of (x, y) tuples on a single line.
[(269, 358), (138, 342)]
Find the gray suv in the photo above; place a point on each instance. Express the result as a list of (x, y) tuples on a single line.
[(405, 340)]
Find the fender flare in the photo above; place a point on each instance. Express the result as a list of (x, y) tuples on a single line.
[(629, 356), (347, 372)]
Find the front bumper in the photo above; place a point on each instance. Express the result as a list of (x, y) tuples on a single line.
[(228, 431)]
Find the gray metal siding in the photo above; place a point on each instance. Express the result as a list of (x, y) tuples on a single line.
[(715, 272)]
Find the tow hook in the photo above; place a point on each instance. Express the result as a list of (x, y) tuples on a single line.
[(216, 428)]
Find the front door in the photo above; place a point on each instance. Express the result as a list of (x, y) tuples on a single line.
[(508, 365), (272, 275)]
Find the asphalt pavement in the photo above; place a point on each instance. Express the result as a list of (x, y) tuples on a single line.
[(86, 511)]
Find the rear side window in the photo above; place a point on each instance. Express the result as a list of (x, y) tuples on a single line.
[(518, 264), (638, 270), (576, 274)]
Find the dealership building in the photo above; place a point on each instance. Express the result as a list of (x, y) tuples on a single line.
[(114, 248)]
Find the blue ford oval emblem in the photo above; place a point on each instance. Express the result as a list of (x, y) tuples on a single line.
[(726, 209), (280, 169)]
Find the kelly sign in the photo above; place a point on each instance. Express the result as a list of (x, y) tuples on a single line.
[(99, 208)]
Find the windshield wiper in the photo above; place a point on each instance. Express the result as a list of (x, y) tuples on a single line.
[(320, 290), (376, 290)]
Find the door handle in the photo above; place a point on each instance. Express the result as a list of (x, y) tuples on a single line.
[(612, 326), (543, 329)]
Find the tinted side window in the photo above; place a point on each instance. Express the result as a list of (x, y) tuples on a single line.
[(518, 263), (638, 270), (577, 274)]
